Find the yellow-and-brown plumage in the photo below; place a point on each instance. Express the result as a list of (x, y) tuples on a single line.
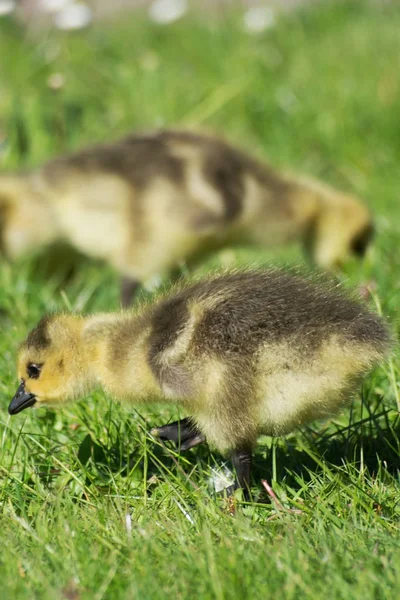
[(148, 202), (243, 353)]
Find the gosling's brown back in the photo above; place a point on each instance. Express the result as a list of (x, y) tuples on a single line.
[(140, 158), (148, 202), (245, 309)]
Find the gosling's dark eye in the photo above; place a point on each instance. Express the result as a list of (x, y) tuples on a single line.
[(362, 241), (33, 370)]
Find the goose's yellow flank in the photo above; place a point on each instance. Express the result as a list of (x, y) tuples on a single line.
[(243, 353), (148, 202)]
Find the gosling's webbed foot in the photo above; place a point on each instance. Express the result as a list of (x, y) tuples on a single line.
[(184, 433)]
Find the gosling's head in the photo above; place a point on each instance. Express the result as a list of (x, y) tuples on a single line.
[(342, 229), (51, 364)]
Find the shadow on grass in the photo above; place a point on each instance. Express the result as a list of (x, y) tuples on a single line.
[(371, 444)]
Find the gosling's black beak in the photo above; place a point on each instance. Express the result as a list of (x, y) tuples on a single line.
[(21, 400)]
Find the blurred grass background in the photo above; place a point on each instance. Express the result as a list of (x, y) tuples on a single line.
[(92, 506)]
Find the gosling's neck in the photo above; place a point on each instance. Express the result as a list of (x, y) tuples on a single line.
[(116, 349), (280, 207)]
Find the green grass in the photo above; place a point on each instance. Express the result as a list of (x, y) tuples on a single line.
[(91, 505)]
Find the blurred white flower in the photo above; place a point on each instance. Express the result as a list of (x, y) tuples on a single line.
[(258, 18), (53, 5), (7, 6), (73, 16), (56, 81), (167, 11)]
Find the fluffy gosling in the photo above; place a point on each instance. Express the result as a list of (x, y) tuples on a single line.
[(243, 354), (148, 202)]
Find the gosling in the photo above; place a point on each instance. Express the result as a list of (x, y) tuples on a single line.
[(147, 203), (244, 353)]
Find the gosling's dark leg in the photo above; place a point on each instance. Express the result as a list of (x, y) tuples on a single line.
[(241, 460), (128, 289), (184, 433)]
